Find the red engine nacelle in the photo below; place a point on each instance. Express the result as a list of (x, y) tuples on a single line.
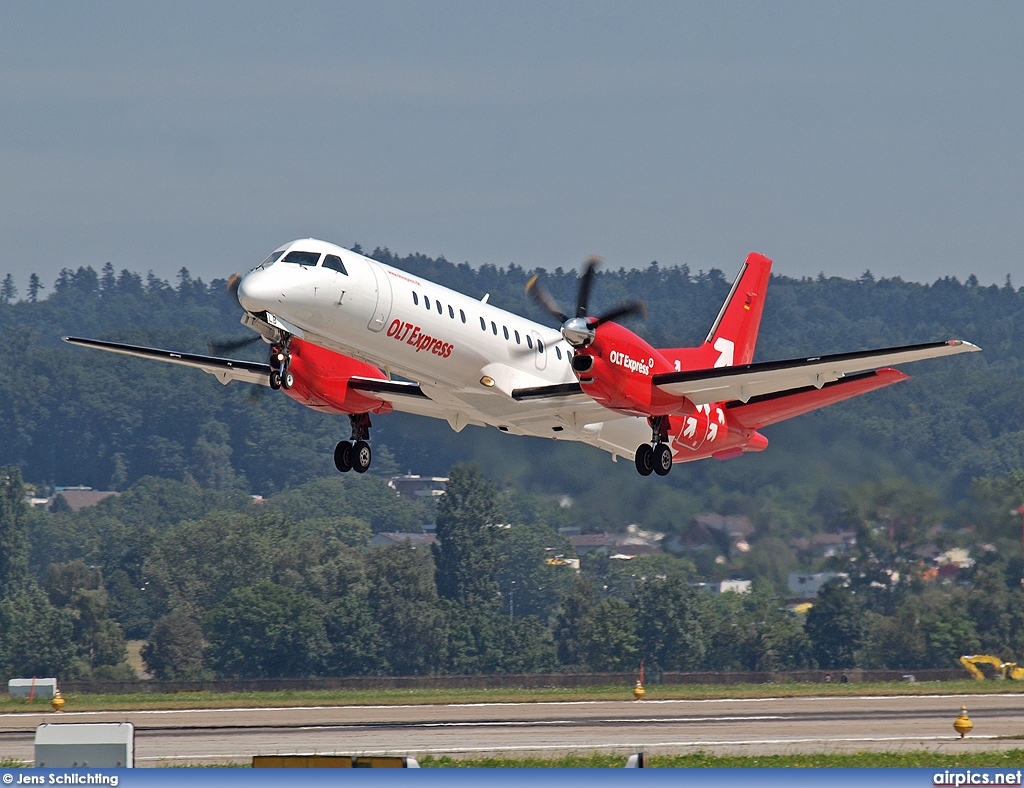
[(322, 377), (616, 370)]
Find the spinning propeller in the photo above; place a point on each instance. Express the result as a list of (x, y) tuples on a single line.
[(580, 329), (220, 348)]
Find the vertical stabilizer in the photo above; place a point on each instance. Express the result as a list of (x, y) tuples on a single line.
[(734, 333), (733, 336)]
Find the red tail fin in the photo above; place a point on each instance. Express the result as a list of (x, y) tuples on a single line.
[(733, 336)]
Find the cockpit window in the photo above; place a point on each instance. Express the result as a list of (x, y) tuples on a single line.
[(302, 258), (334, 262), (272, 259)]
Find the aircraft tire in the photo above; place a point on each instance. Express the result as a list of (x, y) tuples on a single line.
[(343, 456), (662, 459), (287, 380), (275, 380), (644, 459), (361, 457)]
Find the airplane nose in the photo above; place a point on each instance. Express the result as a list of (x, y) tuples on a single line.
[(256, 292)]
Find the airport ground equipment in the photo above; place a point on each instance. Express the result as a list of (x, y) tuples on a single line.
[(26, 688), (93, 745), (1004, 670)]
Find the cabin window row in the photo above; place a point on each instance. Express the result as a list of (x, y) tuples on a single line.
[(483, 324)]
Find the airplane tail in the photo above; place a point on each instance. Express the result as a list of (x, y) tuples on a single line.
[(733, 336)]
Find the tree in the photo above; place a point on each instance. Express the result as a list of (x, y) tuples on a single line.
[(14, 537), (466, 553), (671, 623), (175, 648), (403, 597), (612, 642), (835, 626), (35, 637), (34, 286), (265, 631), (356, 637), (8, 291), (572, 624)]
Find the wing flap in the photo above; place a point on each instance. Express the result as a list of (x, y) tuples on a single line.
[(224, 369), (748, 381)]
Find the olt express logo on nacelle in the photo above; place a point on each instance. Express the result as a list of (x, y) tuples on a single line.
[(623, 360), (414, 336)]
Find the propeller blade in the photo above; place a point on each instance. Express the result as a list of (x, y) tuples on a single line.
[(233, 281), (586, 282), (220, 348), (545, 299), (637, 308)]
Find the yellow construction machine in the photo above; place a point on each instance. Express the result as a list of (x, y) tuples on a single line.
[(1003, 670)]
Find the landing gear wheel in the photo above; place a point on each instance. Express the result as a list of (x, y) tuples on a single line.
[(361, 457), (644, 459), (662, 459), (343, 456), (275, 380), (287, 380)]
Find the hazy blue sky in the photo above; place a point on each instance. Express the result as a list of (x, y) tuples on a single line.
[(830, 136)]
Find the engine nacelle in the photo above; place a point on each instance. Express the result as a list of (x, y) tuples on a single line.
[(322, 377), (617, 370)]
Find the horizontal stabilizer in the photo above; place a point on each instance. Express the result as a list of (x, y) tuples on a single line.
[(224, 369), (754, 380), (772, 408)]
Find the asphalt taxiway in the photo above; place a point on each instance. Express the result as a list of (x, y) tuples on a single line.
[(754, 726)]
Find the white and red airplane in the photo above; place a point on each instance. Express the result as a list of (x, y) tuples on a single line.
[(352, 336)]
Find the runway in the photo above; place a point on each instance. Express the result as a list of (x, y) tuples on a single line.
[(756, 726)]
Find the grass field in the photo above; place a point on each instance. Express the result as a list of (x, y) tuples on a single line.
[(912, 759), (391, 697)]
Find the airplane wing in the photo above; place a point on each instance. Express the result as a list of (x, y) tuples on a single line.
[(748, 381), (224, 369)]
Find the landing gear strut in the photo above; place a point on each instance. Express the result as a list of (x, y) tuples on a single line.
[(281, 376), (655, 456), (354, 454)]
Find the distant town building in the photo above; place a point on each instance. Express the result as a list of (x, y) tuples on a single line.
[(727, 533), (414, 485), (807, 585), (79, 497), (614, 545), (397, 537)]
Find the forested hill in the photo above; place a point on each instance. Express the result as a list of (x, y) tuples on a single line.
[(69, 416)]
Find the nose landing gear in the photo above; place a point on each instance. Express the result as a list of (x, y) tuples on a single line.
[(354, 454), (281, 376), (655, 456)]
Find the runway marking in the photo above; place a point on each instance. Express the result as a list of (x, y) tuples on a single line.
[(584, 748), (531, 723), (235, 710)]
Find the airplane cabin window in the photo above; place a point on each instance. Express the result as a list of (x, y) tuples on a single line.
[(505, 329), (558, 352), (302, 258), (333, 262), (462, 314), (540, 345), (529, 342), (494, 328), (426, 300), (451, 312), (483, 325), (439, 310), (272, 259), (415, 299), (517, 339)]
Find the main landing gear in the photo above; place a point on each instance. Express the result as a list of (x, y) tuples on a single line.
[(655, 456), (281, 376), (354, 454)]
